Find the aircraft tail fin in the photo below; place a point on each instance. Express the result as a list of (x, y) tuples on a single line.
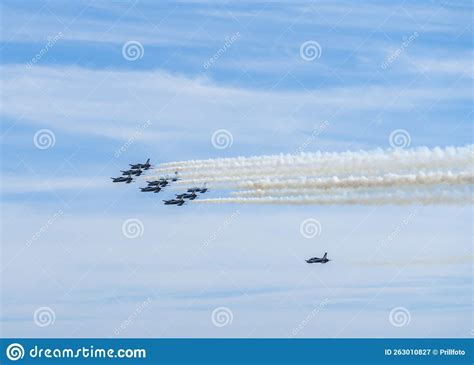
[(325, 255)]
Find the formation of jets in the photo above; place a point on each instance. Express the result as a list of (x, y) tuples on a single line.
[(156, 186)]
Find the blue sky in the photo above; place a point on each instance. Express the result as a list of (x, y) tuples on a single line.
[(380, 66)]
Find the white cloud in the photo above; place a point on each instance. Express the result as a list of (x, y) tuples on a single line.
[(113, 103), (462, 66), (177, 24)]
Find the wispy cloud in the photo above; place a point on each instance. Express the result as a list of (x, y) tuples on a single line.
[(104, 111), (112, 103)]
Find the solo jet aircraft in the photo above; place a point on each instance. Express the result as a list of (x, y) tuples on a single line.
[(144, 166), (127, 179), (318, 260), (177, 202)]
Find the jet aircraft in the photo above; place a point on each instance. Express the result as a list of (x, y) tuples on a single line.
[(318, 260), (144, 166), (155, 189), (132, 172), (190, 196), (164, 183), (198, 190), (177, 202), (127, 179)]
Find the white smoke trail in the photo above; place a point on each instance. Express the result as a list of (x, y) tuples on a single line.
[(450, 260), (303, 185), (394, 198), (336, 178), (323, 158), (337, 164), (243, 161)]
